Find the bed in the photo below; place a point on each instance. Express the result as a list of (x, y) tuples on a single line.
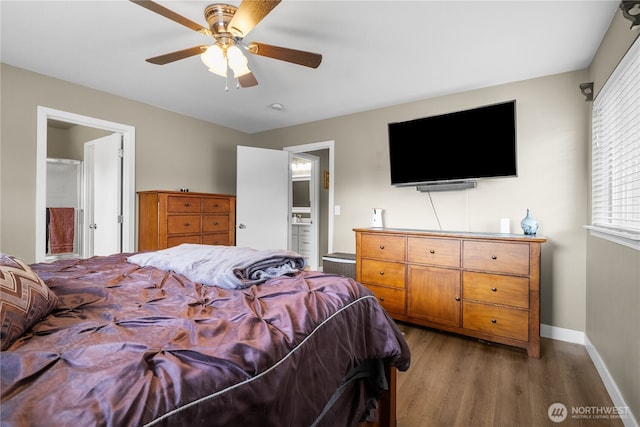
[(127, 344)]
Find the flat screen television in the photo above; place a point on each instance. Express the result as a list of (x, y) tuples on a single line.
[(457, 147)]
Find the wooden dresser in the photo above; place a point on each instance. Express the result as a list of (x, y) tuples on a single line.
[(169, 218), (485, 286)]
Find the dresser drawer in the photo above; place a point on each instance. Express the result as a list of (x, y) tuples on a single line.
[(304, 230), (178, 240), (213, 205), (390, 248), (383, 273), (178, 224), (304, 243), (441, 252), (500, 321), (305, 254), (177, 204), (510, 258), (215, 223), (496, 289), (216, 239), (392, 300)]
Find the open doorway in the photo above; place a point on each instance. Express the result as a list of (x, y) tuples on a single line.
[(325, 152), (305, 208), (48, 118)]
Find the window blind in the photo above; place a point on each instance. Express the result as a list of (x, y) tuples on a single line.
[(616, 150)]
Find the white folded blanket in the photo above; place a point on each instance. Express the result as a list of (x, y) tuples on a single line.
[(228, 267)]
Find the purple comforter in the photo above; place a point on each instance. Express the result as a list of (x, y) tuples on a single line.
[(132, 346)]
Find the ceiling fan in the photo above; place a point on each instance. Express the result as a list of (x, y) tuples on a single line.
[(228, 25)]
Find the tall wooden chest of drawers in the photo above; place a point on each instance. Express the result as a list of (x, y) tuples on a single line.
[(481, 285), (170, 218)]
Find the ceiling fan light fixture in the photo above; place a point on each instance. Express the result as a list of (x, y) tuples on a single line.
[(215, 61), (237, 61), (228, 25)]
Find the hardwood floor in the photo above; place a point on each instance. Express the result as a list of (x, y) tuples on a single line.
[(458, 381)]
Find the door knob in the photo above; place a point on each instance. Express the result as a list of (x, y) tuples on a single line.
[(241, 226)]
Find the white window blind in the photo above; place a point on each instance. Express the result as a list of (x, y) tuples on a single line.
[(616, 151)]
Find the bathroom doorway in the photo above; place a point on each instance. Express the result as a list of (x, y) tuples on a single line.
[(48, 117)]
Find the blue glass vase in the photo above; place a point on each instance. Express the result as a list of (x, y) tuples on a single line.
[(529, 224)]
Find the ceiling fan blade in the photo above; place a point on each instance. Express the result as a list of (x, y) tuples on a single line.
[(163, 11), (248, 80), (179, 54), (300, 57), (249, 13)]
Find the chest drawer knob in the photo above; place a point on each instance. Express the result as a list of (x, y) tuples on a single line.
[(186, 224), (381, 246), (187, 204), (494, 289), (382, 273), (494, 321), (381, 298), (432, 251), (215, 223), (494, 257), (457, 298)]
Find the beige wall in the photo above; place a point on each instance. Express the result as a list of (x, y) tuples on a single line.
[(613, 270), (172, 150), (552, 180), (69, 143)]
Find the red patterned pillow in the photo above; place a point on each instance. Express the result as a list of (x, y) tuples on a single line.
[(24, 299)]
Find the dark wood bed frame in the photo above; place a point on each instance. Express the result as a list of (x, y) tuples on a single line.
[(387, 402)]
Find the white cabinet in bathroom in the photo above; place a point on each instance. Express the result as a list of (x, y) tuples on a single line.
[(301, 239)]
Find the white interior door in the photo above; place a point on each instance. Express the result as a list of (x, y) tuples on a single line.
[(103, 196), (262, 198)]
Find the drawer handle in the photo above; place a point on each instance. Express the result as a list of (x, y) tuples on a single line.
[(494, 289), (457, 298), (432, 251), (186, 224), (187, 204), (381, 298), (216, 205), (215, 223), (494, 321), (381, 246), (382, 273), (494, 257)]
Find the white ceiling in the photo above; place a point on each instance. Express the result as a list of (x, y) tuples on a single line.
[(375, 53)]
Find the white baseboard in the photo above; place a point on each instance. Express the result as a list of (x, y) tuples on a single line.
[(562, 334), (629, 420), (578, 337)]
